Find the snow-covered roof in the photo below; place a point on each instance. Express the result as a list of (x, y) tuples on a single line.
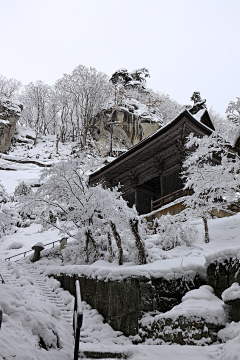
[(158, 133)]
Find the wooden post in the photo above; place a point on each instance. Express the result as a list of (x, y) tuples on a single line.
[(161, 185), (136, 198)]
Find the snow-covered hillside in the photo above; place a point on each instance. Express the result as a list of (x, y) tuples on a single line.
[(28, 316)]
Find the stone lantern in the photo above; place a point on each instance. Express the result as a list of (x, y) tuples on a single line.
[(37, 250)]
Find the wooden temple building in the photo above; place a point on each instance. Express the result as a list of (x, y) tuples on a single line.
[(150, 171)]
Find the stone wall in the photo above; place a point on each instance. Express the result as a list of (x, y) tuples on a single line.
[(9, 115), (221, 275), (193, 331), (122, 302)]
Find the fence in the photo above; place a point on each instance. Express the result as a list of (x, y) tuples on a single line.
[(156, 204), (25, 252)]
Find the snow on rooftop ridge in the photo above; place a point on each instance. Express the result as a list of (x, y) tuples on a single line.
[(199, 114), (232, 293)]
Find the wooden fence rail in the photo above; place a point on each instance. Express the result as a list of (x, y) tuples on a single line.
[(25, 252), (156, 204)]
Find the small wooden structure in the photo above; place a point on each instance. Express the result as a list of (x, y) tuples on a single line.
[(150, 171)]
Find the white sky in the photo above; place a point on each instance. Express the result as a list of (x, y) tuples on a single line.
[(187, 45)]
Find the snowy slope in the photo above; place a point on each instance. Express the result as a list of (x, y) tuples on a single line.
[(24, 308)]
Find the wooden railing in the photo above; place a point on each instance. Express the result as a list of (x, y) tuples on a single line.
[(77, 318), (156, 204), (25, 252)]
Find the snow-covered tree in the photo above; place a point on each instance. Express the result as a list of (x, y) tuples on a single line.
[(196, 98), (87, 92), (165, 108), (223, 127), (35, 98), (9, 88), (233, 111), (131, 80), (90, 215), (212, 172)]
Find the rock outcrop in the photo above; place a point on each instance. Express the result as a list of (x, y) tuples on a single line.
[(10, 112), (128, 130)]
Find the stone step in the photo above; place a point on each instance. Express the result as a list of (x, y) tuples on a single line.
[(101, 355), (44, 290)]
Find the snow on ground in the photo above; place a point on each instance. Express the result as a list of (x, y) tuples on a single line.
[(163, 352), (174, 263), (33, 328), (25, 317), (27, 237), (11, 179), (45, 146), (25, 321)]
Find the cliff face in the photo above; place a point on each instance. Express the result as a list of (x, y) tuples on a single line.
[(128, 129), (10, 112)]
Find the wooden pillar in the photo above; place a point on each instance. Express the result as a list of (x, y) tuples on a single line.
[(161, 185), (136, 197)]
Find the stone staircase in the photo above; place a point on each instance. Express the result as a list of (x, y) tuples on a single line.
[(43, 283), (44, 289)]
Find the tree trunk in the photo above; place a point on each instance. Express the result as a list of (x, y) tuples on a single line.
[(89, 238), (110, 250), (57, 143), (118, 242), (206, 230), (139, 243)]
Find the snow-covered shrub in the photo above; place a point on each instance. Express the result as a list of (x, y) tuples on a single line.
[(9, 217), (15, 245), (3, 195), (96, 217), (174, 231), (22, 189)]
